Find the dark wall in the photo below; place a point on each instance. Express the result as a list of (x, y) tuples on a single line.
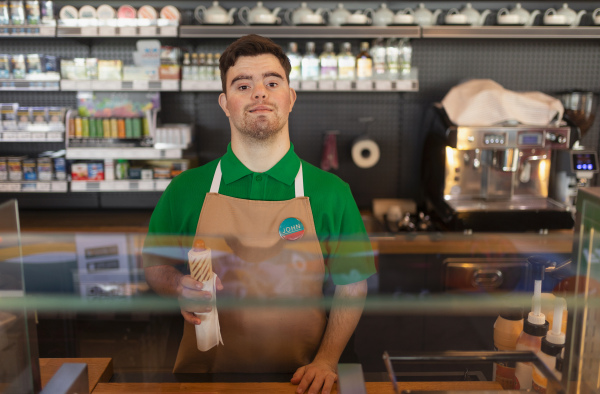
[(399, 119)]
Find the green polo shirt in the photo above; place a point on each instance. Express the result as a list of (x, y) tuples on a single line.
[(340, 229)]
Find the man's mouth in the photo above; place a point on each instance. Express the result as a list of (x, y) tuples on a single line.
[(260, 108)]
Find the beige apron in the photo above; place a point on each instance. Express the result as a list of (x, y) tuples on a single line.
[(253, 261)]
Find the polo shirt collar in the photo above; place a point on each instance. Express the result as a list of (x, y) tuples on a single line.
[(284, 171)]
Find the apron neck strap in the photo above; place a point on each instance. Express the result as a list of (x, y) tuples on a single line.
[(298, 182)]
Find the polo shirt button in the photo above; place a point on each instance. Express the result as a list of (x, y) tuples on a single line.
[(258, 178)]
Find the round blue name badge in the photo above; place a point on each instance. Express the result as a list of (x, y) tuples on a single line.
[(291, 229)]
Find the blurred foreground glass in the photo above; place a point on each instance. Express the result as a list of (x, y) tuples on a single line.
[(19, 360)]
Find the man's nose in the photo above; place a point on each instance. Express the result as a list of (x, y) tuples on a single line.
[(260, 92)]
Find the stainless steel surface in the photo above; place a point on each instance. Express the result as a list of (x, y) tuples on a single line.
[(507, 137), (71, 378), (487, 274), (351, 379), (390, 358), (301, 31), (468, 205), (510, 32)]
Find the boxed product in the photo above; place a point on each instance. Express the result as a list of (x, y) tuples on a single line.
[(49, 64), (67, 69), (33, 64), (3, 169), (56, 114), (147, 173), (122, 169), (162, 173), (23, 117), (15, 168), (135, 173), (8, 116), (4, 66), (118, 105), (60, 169), (169, 71), (79, 171), (44, 169), (19, 70), (110, 70), (29, 169), (39, 115), (95, 171)]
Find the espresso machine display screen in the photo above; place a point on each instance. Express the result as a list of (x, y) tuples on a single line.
[(585, 161), (530, 139)]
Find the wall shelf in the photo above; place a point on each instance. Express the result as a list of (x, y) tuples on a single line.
[(26, 85), (31, 136), (229, 31), (116, 31), (511, 32), (27, 30), (33, 187), (122, 153), (123, 185), (164, 85)]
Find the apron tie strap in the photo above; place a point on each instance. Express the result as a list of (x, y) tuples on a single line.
[(216, 182), (299, 183)]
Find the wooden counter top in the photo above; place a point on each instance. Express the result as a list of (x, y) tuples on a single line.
[(136, 222), (99, 369), (227, 388)]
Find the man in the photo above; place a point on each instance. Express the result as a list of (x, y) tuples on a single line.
[(250, 207)]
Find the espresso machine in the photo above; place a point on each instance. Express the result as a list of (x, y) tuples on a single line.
[(575, 168), (493, 178)]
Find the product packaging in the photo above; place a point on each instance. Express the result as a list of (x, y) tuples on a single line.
[(44, 169), (29, 169), (147, 173), (23, 117), (135, 173), (49, 64), (15, 168), (39, 115), (122, 169), (96, 171), (4, 13), (60, 168), (56, 115), (110, 70), (3, 169), (79, 171), (17, 12), (32, 10), (33, 64), (8, 116), (162, 173), (47, 12), (18, 68), (4, 66)]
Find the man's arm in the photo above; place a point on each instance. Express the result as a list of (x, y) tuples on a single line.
[(346, 310)]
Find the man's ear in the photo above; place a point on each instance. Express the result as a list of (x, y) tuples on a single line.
[(292, 98), (223, 103)]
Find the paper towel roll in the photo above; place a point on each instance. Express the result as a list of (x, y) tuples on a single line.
[(365, 153)]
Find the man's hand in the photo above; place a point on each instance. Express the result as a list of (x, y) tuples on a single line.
[(318, 375), (190, 290)]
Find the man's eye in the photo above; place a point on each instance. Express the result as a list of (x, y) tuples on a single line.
[(272, 84), (243, 87)]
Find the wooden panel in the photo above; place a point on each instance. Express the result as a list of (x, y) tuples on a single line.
[(99, 369), (226, 388)]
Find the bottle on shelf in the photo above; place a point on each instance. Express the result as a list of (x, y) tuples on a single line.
[(210, 66), (378, 54), (535, 328), (346, 62), (364, 62), (552, 345), (194, 67), (295, 61), (329, 66), (217, 70), (392, 57), (507, 328), (310, 63), (405, 50), (202, 67), (186, 68)]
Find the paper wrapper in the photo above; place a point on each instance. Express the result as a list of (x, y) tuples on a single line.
[(200, 264), (208, 332)]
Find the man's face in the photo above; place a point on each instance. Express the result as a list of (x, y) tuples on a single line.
[(258, 99)]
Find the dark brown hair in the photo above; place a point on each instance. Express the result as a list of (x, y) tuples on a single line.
[(251, 45)]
